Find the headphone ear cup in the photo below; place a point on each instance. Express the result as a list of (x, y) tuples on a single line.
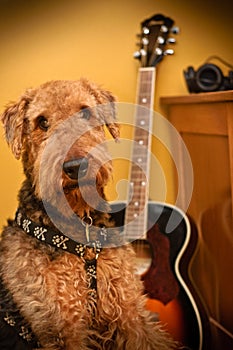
[(189, 75), (230, 80), (209, 78)]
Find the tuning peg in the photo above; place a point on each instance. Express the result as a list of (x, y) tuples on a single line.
[(175, 30), (164, 29), (169, 52), (171, 41), (143, 52), (160, 40), (145, 30), (139, 54), (145, 41), (158, 51)]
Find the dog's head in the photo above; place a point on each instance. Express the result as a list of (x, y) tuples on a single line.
[(58, 129)]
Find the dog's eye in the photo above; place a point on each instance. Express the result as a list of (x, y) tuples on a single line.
[(85, 113), (43, 123)]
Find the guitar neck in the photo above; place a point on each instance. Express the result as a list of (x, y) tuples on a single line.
[(136, 211)]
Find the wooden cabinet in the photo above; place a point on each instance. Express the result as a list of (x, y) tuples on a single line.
[(205, 122)]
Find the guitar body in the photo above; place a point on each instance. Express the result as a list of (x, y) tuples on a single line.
[(171, 296)]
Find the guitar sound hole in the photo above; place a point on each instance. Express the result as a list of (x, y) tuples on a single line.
[(143, 256)]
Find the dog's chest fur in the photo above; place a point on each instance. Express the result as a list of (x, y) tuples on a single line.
[(58, 294)]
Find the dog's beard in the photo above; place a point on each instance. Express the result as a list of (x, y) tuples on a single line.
[(87, 194), (73, 196), (77, 184), (83, 199)]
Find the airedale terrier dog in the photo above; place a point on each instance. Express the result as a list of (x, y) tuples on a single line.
[(67, 280)]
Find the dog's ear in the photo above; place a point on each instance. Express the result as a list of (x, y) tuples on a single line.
[(13, 119), (108, 108), (109, 113)]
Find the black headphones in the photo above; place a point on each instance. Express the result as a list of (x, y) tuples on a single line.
[(208, 78)]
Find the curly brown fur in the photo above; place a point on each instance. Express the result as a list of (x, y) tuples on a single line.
[(48, 285)]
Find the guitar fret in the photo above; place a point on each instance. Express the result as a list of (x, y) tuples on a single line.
[(140, 137), (138, 211), (139, 199), (139, 161), (138, 147), (139, 157), (133, 211), (141, 154), (139, 207), (141, 204), (137, 189), (142, 129), (138, 179), (138, 183), (136, 173), (136, 166), (139, 193)]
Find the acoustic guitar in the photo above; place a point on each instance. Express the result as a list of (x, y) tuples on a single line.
[(163, 255)]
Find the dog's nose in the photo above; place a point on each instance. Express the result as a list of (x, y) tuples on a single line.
[(76, 168)]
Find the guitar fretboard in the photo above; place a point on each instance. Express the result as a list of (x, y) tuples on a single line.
[(136, 211)]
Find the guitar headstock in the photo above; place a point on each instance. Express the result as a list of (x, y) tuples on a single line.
[(154, 37)]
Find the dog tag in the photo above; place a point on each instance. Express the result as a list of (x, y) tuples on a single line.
[(87, 233), (87, 222)]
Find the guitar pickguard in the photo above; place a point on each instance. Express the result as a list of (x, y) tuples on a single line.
[(159, 280)]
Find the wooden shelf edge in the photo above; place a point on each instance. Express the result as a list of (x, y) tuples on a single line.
[(206, 97)]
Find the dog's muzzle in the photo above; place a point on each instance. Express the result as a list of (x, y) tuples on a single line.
[(76, 169)]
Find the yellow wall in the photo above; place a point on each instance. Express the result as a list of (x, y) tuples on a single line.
[(66, 39)]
